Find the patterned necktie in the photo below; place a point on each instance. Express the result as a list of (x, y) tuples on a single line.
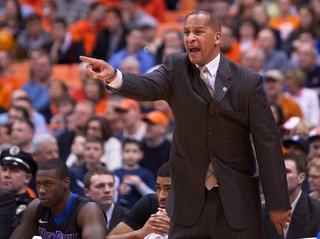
[(211, 180), (204, 76)]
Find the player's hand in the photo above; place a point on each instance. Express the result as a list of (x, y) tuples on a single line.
[(280, 219), (98, 69)]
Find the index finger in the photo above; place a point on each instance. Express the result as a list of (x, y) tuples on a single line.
[(89, 60)]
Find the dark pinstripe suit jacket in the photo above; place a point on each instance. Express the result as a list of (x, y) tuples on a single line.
[(217, 129), (305, 221)]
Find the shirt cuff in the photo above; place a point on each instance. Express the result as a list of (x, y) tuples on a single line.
[(117, 82)]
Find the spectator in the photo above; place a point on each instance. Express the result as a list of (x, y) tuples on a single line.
[(61, 48), (33, 37), (314, 177), (275, 59), (314, 142), (285, 23), (305, 222), (112, 38), (229, 45), (72, 10), (131, 13), (307, 58), (16, 171), (22, 132), (143, 218), (37, 85), (134, 47), (297, 145), (92, 153), (246, 34), (86, 30), (81, 114), (295, 81), (48, 14), (156, 147), (155, 8), (95, 91), (135, 181), (253, 59), (112, 115), (274, 80), (133, 126), (98, 127), (75, 157), (83, 218), (99, 185), (12, 15)]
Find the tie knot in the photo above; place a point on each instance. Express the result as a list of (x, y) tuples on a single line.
[(203, 69)]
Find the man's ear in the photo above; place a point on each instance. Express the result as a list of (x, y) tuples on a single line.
[(66, 183), (28, 178), (301, 177), (86, 192)]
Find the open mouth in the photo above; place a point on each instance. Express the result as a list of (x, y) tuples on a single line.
[(194, 50)]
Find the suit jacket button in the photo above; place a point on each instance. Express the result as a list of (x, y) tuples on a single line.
[(212, 112), (210, 133)]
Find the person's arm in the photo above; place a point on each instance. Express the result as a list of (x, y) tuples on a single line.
[(139, 184), (92, 220), (158, 223), (27, 226)]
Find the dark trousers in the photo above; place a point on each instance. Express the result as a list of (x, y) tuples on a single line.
[(213, 224)]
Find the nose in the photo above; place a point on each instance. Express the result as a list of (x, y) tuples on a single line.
[(41, 190)]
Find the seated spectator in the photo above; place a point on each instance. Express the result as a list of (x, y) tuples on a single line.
[(16, 171), (135, 180), (274, 81), (143, 218), (112, 115), (134, 48), (229, 45), (95, 91), (37, 86), (75, 157), (275, 59), (295, 81), (12, 15), (33, 37), (314, 142), (92, 153), (98, 127), (61, 48), (314, 177), (87, 29), (133, 126), (305, 221), (21, 134), (72, 10), (156, 146), (99, 185), (112, 38)]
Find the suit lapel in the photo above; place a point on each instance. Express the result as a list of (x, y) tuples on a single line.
[(222, 83), (198, 85)]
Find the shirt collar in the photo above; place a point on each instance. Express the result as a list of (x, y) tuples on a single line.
[(213, 65)]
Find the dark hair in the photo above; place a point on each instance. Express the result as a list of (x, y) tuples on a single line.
[(104, 126), (25, 113), (131, 141), (213, 20), (95, 171), (300, 162), (28, 122), (91, 139), (56, 164), (33, 17), (164, 170)]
